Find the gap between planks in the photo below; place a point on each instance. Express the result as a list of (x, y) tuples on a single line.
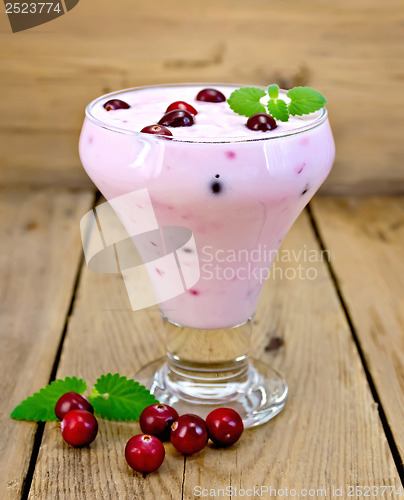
[(386, 427), (41, 425)]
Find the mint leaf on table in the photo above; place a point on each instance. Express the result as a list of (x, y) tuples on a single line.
[(40, 407), (246, 101), (305, 100), (273, 91), (117, 398), (278, 109)]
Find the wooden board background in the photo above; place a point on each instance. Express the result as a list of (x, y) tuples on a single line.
[(351, 50)]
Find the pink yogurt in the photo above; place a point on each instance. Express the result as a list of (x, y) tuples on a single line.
[(239, 191)]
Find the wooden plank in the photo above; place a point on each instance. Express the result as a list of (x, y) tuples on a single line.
[(329, 434), (39, 254), (51, 72), (366, 241)]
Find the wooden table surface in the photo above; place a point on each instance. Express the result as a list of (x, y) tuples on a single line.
[(343, 358)]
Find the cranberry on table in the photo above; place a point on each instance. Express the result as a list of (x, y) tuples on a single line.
[(210, 95), (157, 419), (182, 105), (177, 118), (156, 130), (79, 427), (261, 121), (71, 401), (224, 426), (114, 104), (189, 434), (144, 453)]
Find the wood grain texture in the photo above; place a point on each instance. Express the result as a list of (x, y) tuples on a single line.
[(366, 241), (39, 256), (329, 434), (352, 52)]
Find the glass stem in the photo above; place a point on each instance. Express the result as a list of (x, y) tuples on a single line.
[(208, 356)]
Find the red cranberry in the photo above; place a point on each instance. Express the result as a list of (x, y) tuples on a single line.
[(144, 453), (114, 104), (210, 95), (79, 427), (157, 130), (182, 105), (261, 121), (71, 401), (177, 118), (157, 419), (224, 426), (189, 434)]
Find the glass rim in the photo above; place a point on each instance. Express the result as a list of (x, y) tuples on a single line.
[(197, 140)]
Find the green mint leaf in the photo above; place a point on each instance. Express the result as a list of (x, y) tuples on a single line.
[(118, 398), (278, 109), (273, 91), (40, 407), (246, 101), (305, 100)]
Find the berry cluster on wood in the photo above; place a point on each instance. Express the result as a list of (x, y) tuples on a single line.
[(145, 452), (188, 434)]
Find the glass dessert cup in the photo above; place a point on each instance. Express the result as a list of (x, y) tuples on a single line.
[(238, 198)]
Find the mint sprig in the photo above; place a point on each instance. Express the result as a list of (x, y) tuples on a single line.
[(40, 407), (118, 398), (113, 397), (246, 101)]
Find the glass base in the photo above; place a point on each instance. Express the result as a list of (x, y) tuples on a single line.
[(258, 395)]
